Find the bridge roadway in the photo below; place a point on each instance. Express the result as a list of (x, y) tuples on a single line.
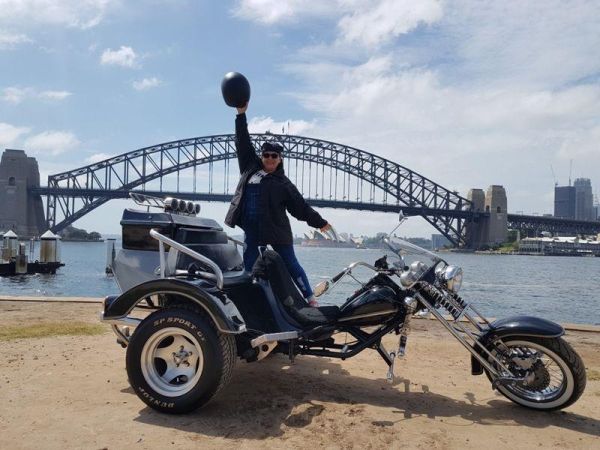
[(226, 198), (527, 224), (532, 225)]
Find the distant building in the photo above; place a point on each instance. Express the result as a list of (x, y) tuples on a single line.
[(567, 246), (584, 199), (439, 241), (564, 202)]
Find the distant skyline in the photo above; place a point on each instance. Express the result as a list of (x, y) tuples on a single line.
[(468, 93)]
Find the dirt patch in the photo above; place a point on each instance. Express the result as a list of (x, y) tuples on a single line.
[(593, 375), (72, 392)]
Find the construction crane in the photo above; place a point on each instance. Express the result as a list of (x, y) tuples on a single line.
[(570, 170), (553, 175)]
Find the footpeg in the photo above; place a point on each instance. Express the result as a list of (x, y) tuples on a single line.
[(390, 373)]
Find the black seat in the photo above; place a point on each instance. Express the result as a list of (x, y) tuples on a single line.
[(269, 266), (236, 278), (213, 244)]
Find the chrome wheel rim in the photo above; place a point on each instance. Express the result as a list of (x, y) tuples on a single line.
[(549, 380), (172, 361)]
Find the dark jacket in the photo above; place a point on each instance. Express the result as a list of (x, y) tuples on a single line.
[(277, 194)]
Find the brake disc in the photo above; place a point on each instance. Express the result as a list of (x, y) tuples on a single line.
[(541, 377)]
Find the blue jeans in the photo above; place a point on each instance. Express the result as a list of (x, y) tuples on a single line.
[(289, 258)]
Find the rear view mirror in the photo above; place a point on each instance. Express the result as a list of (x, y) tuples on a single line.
[(321, 288)]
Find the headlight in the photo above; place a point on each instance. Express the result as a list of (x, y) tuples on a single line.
[(407, 278), (452, 276), (414, 272)]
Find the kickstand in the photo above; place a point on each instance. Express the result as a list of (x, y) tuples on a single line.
[(291, 354), (390, 374), (389, 358)]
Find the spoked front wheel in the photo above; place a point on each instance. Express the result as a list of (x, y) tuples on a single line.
[(551, 374)]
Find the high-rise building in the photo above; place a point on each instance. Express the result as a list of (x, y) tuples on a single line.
[(564, 202), (439, 241), (584, 199)]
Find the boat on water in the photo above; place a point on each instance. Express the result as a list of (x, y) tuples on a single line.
[(15, 261)]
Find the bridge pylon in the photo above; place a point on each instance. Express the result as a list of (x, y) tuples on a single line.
[(22, 210), (491, 228)]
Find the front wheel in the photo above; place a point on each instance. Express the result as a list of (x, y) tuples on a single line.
[(552, 375), (177, 361)]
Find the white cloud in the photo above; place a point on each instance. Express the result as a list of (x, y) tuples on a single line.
[(97, 157), (459, 136), (263, 124), (11, 40), (484, 96), (146, 83), (499, 42), (54, 95), (73, 13), (124, 57), (16, 95), (375, 23), (369, 23), (584, 147), (51, 142), (284, 11), (10, 134)]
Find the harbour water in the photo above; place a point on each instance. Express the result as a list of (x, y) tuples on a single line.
[(557, 288)]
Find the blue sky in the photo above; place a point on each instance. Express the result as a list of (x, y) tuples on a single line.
[(468, 93)]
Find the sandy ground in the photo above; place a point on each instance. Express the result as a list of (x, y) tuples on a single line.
[(72, 392)]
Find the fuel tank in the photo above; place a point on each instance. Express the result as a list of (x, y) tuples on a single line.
[(372, 307)]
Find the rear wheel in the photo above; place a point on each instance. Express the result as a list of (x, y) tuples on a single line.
[(552, 373), (177, 361)]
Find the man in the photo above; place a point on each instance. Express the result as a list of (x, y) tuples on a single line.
[(260, 202)]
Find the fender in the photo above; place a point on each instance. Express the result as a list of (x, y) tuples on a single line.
[(516, 326), (222, 311)]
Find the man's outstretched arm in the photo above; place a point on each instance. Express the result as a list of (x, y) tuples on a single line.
[(247, 157)]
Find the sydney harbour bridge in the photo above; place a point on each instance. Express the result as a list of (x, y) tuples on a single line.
[(329, 175)]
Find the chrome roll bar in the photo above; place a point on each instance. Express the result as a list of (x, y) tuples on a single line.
[(162, 240)]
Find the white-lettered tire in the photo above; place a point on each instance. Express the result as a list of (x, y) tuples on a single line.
[(177, 361), (556, 373)]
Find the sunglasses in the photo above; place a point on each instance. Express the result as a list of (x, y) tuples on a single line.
[(270, 155)]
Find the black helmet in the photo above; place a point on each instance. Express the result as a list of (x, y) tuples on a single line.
[(271, 147), (235, 89)]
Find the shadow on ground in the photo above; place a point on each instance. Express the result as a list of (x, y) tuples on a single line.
[(266, 395)]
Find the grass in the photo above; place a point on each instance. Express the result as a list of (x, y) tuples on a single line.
[(593, 375), (9, 333)]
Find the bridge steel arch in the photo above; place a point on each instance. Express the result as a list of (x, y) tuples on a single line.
[(74, 193)]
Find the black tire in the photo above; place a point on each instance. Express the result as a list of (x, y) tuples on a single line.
[(182, 381), (567, 361)]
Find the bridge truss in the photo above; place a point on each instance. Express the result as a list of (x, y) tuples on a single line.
[(327, 174)]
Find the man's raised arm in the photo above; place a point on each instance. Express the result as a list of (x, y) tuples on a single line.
[(247, 157)]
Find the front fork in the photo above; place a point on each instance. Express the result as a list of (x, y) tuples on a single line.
[(459, 309)]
